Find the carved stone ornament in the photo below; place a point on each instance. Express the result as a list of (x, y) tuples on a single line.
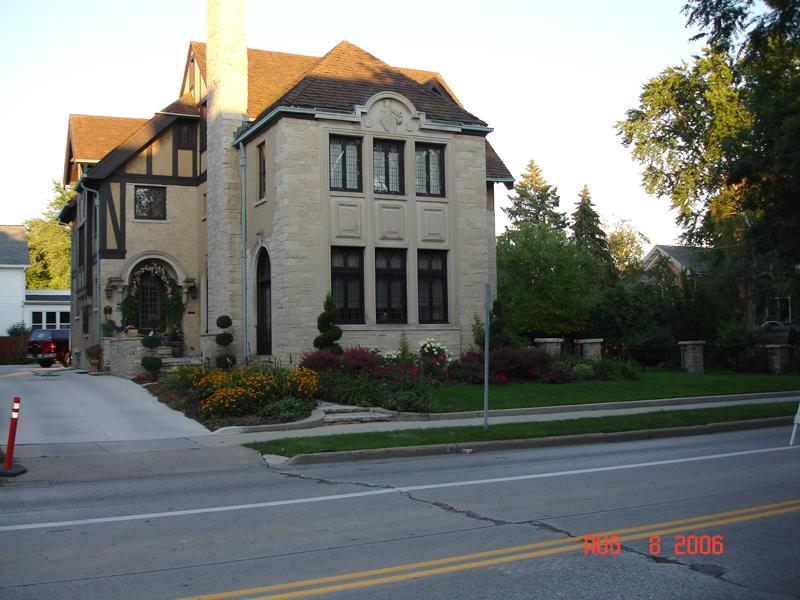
[(391, 117)]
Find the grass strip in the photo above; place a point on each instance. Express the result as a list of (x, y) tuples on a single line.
[(513, 431), (453, 398)]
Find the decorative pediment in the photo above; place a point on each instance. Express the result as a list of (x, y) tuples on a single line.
[(389, 112)]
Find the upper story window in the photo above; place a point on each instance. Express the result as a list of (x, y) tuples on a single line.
[(345, 163), (150, 202), (262, 172), (347, 283), (185, 133), (429, 162), (387, 167)]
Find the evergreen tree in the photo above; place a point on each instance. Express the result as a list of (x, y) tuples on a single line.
[(587, 231), (329, 332), (536, 201)]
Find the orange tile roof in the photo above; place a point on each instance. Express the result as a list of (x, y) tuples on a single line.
[(92, 137)]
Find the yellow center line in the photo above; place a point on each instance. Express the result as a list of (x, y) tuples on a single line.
[(517, 553)]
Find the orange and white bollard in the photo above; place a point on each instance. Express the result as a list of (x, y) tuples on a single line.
[(9, 468)]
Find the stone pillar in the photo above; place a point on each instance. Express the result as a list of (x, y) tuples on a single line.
[(778, 356), (550, 345), (590, 349), (227, 108), (692, 356)]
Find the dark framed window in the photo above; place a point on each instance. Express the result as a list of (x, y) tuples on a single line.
[(50, 320), (262, 172), (390, 285), (345, 163), (63, 320), (85, 319), (150, 202), (203, 128), (429, 163), (387, 167), (347, 283), (185, 133), (432, 285), (36, 320), (82, 245)]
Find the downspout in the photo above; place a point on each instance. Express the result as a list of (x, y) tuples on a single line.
[(243, 186), (97, 258)]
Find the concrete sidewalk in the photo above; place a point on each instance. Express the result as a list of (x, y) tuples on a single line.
[(91, 461)]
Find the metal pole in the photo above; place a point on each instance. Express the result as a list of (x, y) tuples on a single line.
[(487, 302)]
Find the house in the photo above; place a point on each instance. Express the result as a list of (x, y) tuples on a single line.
[(274, 179), (47, 309), (13, 262), (692, 260)]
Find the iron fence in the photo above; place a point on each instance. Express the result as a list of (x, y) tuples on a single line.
[(649, 358)]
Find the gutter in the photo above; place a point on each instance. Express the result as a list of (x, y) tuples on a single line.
[(96, 253), (243, 187)]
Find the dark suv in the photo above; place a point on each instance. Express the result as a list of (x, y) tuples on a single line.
[(49, 345)]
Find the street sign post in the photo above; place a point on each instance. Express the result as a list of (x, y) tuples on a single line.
[(794, 427), (487, 303)]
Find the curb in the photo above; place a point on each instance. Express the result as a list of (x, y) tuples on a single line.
[(541, 410), (316, 419), (568, 440)]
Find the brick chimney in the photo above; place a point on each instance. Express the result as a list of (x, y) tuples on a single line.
[(226, 57)]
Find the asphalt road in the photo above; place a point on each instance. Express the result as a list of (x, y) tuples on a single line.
[(498, 525)]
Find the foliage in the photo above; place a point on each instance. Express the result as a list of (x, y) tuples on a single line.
[(151, 363), (49, 245), (546, 283), (302, 383), (130, 310), (536, 201), (558, 372), (94, 352), (224, 321), (588, 232), (626, 247), (151, 341), (615, 370), (583, 371), (321, 360), (18, 330), (736, 334), (224, 339), (403, 349), (225, 361), (287, 409), (359, 360), (468, 367), (360, 390), (433, 349), (329, 332)]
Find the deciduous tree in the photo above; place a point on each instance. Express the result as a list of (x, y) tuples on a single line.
[(49, 245)]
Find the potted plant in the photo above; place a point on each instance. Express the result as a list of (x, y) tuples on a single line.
[(176, 342), (95, 353), (108, 328)]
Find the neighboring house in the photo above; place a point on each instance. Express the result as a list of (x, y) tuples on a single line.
[(692, 260), (13, 262), (47, 309), (369, 181)]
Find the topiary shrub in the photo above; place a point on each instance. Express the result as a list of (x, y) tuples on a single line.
[(615, 370), (224, 339), (329, 333), (225, 361), (151, 341), (224, 321), (151, 364), (321, 360)]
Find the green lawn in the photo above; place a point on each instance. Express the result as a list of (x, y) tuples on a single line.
[(515, 431), (454, 398)]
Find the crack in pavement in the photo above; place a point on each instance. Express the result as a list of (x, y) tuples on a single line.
[(321, 481), (460, 511)]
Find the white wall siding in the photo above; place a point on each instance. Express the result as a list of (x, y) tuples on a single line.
[(12, 296)]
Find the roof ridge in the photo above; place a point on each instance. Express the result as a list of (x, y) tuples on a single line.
[(106, 117)]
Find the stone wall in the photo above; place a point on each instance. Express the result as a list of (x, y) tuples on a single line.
[(122, 356)]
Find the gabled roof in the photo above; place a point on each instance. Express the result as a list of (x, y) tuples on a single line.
[(693, 259), (129, 147), (345, 76), (93, 136), (14, 246)]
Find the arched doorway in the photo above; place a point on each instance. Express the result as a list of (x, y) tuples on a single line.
[(263, 304), (150, 294), (154, 300)]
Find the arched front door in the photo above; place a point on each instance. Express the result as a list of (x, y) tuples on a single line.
[(151, 293), (263, 304)]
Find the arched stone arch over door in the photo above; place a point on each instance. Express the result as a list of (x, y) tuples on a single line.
[(263, 304)]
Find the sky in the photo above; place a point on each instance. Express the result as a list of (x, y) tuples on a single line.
[(551, 78)]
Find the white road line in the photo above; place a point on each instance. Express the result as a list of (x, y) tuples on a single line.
[(382, 491)]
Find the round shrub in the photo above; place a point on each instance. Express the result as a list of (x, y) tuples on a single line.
[(615, 370), (224, 321), (583, 371), (225, 361), (359, 360), (509, 361), (151, 363), (151, 341), (224, 339), (321, 360)]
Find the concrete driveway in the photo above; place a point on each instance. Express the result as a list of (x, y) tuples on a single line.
[(65, 406)]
